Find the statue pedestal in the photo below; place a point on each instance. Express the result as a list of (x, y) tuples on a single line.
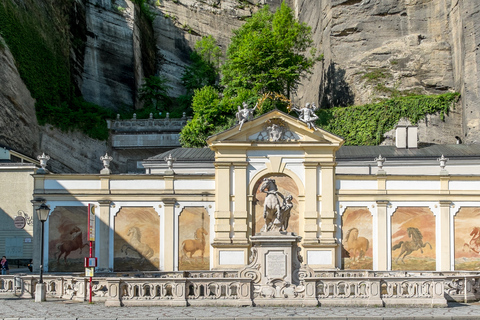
[(277, 271)]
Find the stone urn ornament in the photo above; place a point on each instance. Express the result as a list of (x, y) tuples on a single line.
[(443, 163), (106, 164), (170, 160), (380, 160), (43, 163)]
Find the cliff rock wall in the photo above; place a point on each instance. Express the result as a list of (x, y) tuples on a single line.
[(374, 48)]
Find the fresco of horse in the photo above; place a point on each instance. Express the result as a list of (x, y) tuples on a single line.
[(357, 251), (193, 240), (135, 244), (474, 243), (191, 246), (136, 239), (67, 236), (407, 247), (66, 246), (355, 245), (413, 239)]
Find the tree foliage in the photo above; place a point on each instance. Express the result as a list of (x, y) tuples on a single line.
[(154, 93), (269, 53)]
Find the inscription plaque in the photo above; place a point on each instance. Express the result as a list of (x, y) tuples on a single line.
[(276, 264)]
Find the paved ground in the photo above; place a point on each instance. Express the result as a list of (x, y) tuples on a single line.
[(14, 308)]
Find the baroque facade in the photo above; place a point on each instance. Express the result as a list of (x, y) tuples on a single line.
[(196, 209)]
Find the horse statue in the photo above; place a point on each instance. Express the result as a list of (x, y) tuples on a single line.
[(356, 245), (271, 206), (193, 245), (135, 244), (66, 246), (474, 243), (407, 247)]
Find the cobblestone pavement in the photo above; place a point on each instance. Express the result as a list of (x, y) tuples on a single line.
[(14, 308)]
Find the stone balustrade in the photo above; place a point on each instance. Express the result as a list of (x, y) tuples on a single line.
[(147, 125), (218, 288)]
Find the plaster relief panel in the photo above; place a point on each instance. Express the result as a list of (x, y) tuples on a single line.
[(193, 239), (413, 239), (287, 187), (357, 239), (467, 239), (67, 239), (137, 239)]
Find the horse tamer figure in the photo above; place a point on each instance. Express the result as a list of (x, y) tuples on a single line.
[(276, 216)]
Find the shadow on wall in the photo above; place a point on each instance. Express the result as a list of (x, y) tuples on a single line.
[(334, 91), (16, 243)]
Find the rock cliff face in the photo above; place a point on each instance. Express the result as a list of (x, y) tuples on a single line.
[(372, 49), (18, 123)]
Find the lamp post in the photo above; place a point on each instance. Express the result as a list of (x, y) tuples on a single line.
[(42, 213)]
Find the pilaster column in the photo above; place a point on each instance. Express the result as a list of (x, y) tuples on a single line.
[(327, 213), (444, 229), (103, 236), (169, 188), (310, 216), (222, 202), (169, 234), (240, 215), (381, 249)]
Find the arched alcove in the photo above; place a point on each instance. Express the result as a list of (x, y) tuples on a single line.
[(357, 238), (137, 239), (67, 238), (467, 239), (286, 186), (193, 239), (413, 239)]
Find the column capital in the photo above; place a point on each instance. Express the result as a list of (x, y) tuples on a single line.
[(445, 203), (104, 203), (382, 203), (169, 201)]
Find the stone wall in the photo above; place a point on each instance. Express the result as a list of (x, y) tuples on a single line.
[(375, 48)]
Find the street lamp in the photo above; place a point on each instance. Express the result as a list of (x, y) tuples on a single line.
[(42, 213)]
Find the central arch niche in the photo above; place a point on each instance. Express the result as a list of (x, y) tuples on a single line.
[(286, 186)]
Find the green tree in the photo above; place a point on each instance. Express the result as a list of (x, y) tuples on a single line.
[(154, 94), (203, 71), (269, 53), (209, 50)]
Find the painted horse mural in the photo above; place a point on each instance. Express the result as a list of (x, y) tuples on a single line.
[(407, 247), (474, 243), (190, 246), (355, 245), (66, 246), (135, 244)]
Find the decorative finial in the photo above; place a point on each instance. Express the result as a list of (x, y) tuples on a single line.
[(106, 164), (380, 160), (43, 162), (170, 160), (443, 162)]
